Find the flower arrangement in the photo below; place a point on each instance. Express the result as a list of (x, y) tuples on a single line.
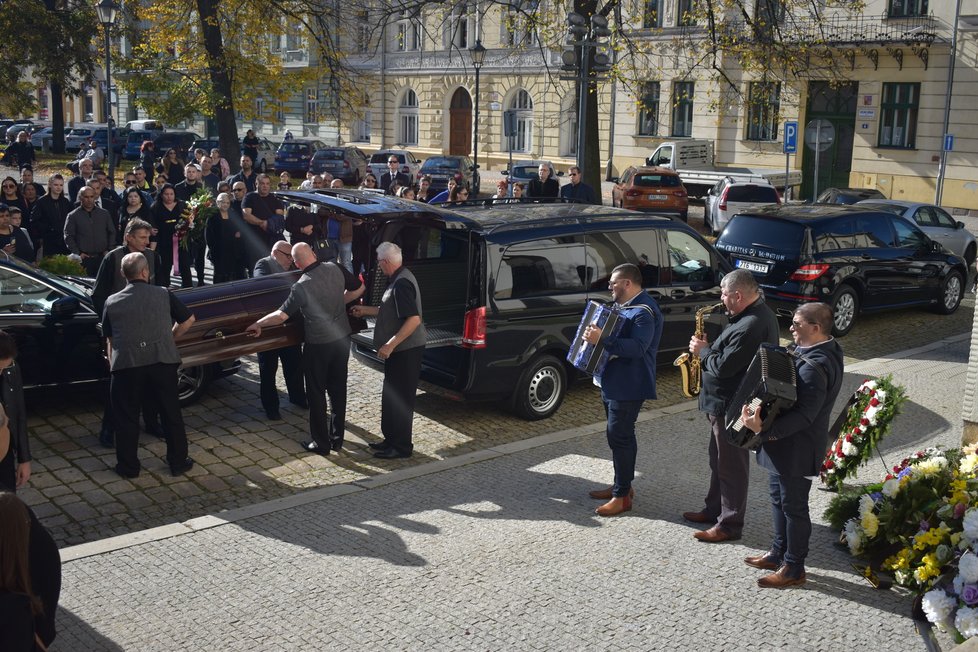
[(874, 406), (62, 265), (920, 525), (193, 221)]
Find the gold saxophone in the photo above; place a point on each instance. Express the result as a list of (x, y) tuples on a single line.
[(688, 363)]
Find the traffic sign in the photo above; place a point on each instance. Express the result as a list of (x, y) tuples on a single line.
[(790, 137), (819, 135), (948, 142)]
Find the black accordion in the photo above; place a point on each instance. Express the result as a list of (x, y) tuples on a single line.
[(769, 385), (593, 358)]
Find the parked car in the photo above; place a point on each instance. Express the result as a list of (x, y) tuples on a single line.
[(504, 287), (346, 163), (847, 195), (37, 138), (55, 325), (119, 137), (731, 195), (80, 135), (17, 127), (651, 190), (443, 168), (135, 140), (526, 171), (935, 222), (176, 140), (294, 156), (855, 258), (146, 125), (409, 164), (266, 151)]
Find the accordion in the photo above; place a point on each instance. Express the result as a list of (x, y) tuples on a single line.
[(592, 358), (769, 385)]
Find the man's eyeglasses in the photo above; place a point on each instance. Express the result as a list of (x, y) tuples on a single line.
[(575, 174), (797, 324), (129, 182), (284, 253)]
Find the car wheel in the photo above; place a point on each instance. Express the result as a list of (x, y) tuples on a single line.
[(952, 291), (192, 382), (845, 306), (540, 389)]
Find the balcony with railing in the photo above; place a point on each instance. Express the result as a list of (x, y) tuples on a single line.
[(844, 30)]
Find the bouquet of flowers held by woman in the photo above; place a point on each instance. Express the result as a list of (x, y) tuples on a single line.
[(193, 221), (874, 406)]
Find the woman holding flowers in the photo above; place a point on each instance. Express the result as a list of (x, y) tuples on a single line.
[(165, 215), (794, 443)]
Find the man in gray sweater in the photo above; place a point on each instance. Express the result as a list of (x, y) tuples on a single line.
[(89, 232)]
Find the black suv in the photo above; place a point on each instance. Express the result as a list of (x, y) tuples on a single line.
[(503, 287), (850, 257)]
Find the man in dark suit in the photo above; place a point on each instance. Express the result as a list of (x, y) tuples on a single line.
[(723, 364), (627, 380), (392, 179), (793, 445)]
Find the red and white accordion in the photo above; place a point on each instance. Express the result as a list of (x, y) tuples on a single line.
[(593, 358)]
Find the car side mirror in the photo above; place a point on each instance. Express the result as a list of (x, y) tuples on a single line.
[(959, 224), (65, 307)]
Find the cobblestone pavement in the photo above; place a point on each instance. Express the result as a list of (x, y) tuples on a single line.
[(504, 553)]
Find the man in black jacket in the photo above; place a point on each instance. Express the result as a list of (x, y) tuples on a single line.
[(15, 465), (48, 218), (577, 189), (793, 445), (391, 180), (723, 364), (544, 185)]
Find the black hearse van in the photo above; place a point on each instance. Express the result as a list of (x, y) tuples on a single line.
[(504, 286)]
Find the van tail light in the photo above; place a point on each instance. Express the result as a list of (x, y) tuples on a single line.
[(723, 200), (474, 329), (809, 272)]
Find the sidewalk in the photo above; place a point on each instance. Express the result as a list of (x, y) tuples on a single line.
[(500, 549)]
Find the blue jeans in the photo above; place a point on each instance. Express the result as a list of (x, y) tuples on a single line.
[(621, 440), (792, 524)]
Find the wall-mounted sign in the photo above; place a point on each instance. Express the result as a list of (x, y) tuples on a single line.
[(867, 114), (495, 106), (867, 100)]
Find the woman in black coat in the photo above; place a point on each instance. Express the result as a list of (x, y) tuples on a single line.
[(133, 205), (147, 159), (164, 216), (224, 236)]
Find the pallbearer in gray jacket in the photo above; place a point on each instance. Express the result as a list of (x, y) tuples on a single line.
[(400, 338)]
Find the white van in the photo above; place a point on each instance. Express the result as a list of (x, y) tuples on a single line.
[(145, 125)]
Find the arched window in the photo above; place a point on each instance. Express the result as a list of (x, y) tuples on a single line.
[(407, 118), (523, 135)]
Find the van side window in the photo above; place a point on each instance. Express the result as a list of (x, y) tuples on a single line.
[(689, 260), (424, 241), (605, 251), (873, 232), (833, 235), (542, 267)]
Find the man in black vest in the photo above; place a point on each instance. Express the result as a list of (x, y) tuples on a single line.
[(321, 295), (141, 324), (400, 338)]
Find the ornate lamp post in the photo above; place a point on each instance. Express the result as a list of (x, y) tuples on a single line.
[(478, 52), (107, 11)]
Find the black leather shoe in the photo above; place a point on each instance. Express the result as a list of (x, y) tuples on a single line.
[(313, 447), (182, 467), (126, 474), (336, 443), (107, 438), (274, 415), (155, 429), (391, 454), (379, 445)]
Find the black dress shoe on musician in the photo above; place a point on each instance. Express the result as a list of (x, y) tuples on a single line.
[(391, 454), (182, 467), (313, 447), (379, 445), (273, 415), (336, 443)]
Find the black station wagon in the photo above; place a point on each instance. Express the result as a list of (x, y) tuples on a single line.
[(850, 257)]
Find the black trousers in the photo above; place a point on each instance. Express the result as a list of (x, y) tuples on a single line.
[(198, 249), (184, 260), (401, 372), (8, 472), (326, 366), (91, 264), (729, 476), (127, 388), (291, 357)]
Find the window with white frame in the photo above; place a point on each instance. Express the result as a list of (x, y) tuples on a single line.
[(407, 119), (652, 13), (907, 8), (408, 33), (682, 108), (459, 30), (648, 109), (311, 110), (523, 105), (360, 132), (517, 30), (898, 115), (763, 107)]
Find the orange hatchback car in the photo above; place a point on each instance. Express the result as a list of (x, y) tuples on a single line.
[(651, 190)]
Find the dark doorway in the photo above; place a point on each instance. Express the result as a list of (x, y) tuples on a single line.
[(460, 124), (837, 104)]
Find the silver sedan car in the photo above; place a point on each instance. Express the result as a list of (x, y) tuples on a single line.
[(935, 222)]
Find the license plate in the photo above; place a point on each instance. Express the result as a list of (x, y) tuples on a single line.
[(750, 266)]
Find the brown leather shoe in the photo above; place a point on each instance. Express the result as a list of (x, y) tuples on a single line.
[(699, 517), (767, 561), (715, 534), (781, 579), (615, 506), (605, 494)]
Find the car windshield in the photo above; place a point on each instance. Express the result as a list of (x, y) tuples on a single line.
[(657, 180), (440, 163), (65, 285), (525, 170), (382, 158), (293, 148), (889, 208), (742, 234), (330, 154)]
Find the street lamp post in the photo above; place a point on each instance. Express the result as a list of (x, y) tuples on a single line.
[(107, 10), (478, 52)]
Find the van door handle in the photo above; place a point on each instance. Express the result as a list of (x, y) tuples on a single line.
[(677, 294)]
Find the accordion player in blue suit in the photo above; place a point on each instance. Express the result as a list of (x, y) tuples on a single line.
[(627, 380)]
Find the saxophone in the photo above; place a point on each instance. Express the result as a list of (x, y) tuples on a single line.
[(688, 363)]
